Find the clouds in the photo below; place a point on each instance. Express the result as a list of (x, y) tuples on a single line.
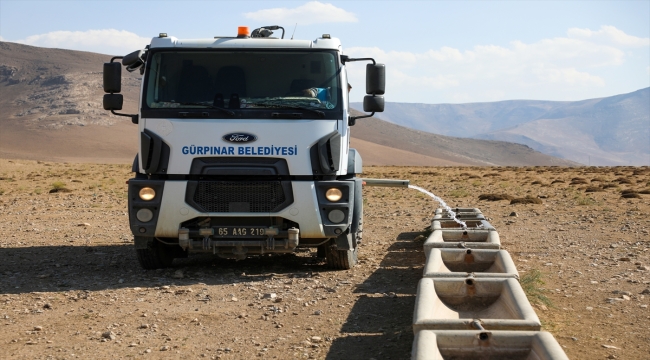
[(313, 12), (553, 68), (609, 35), (108, 41)]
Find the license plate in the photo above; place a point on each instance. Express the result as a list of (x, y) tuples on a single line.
[(240, 231)]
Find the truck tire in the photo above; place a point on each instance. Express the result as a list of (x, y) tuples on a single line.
[(346, 259), (155, 256), (340, 259)]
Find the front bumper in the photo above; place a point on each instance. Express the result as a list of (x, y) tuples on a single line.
[(171, 208)]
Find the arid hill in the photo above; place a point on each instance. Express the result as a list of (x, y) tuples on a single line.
[(446, 150), (51, 107)]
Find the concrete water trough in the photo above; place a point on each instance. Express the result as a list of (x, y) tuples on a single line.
[(463, 262), (461, 214), (472, 303), (459, 210), (450, 224), (470, 238), (486, 345)]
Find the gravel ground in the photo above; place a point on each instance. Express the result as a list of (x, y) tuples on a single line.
[(70, 286)]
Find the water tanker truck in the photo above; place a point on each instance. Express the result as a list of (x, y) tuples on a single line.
[(244, 147)]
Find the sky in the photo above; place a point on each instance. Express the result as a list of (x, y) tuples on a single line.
[(434, 51)]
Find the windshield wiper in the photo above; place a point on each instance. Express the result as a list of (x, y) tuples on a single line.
[(229, 112), (275, 105)]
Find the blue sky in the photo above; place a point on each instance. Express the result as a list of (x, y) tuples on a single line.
[(435, 51)]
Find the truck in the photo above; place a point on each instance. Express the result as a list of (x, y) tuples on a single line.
[(244, 146)]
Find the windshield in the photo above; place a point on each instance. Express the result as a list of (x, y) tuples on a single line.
[(306, 81)]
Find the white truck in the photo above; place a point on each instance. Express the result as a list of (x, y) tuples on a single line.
[(244, 147)]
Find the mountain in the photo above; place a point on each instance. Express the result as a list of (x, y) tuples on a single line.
[(50, 109), (446, 150), (606, 131)]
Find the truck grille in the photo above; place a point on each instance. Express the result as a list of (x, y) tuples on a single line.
[(241, 196)]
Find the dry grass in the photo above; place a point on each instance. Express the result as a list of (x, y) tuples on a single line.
[(584, 200), (532, 283), (59, 186), (458, 193)]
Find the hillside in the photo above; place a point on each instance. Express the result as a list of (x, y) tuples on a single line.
[(607, 131), (50, 109), (452, 150)]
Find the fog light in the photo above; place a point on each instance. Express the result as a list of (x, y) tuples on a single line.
[(147, 193), (336, 216), (333, 194), (144, 215)]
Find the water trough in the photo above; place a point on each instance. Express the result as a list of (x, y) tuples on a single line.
[(451, 224), (459, 210), (463, 262), (472, 303), (461, 214), (486, 345), (459, 238)]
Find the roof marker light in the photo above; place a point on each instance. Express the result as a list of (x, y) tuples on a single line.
[(162, 35), (243, 32), (326, 36)]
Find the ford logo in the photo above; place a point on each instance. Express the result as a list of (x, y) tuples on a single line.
[(239, 137)]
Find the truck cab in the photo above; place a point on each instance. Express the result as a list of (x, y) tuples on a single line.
[(244, 147)]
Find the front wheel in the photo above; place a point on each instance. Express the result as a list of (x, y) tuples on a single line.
[(340, 259), (155, 256)]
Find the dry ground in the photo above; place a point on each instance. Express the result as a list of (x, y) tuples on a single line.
[(70, 286)]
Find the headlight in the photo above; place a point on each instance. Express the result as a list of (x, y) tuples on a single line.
[(147, 193), (333, 194)]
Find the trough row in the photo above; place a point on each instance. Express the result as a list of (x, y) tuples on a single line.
[(469, 302)]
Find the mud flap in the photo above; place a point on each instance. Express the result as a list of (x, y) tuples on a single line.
[(141, 242), (344, 242)]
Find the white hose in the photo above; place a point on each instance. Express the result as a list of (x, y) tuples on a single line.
[(442, 203)]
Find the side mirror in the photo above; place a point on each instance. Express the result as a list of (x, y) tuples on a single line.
[(113, 84), (133, 60), (113, 102), (375, 88), (112, 77), (375, 79), (373, 103)]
